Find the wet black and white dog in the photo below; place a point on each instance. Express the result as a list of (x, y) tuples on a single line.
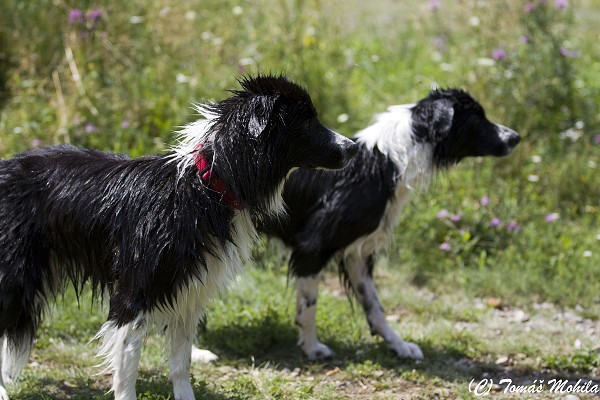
[(158, 235), (349, 215)]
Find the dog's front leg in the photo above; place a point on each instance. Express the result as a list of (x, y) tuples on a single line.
[(122, 349), (306, 310), (180, 335), (359, 273)]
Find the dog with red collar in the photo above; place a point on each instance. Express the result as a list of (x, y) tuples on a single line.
[(159, 235)]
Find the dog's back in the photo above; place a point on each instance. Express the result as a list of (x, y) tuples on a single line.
[(329, 210), (62, 212)]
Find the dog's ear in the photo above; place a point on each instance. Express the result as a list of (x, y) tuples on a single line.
[(440, 119), (261, 112)]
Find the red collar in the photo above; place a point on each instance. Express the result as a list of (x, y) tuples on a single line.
[(213, 182)]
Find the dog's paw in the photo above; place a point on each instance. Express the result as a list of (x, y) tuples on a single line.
[(203, 356), (3, 394), (317, 352), (407, 350)]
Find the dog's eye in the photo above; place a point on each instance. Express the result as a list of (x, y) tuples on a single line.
[(480, 112), (303, 127)]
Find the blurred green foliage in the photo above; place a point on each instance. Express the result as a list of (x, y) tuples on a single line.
[(124, 79)]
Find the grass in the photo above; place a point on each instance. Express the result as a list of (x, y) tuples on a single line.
[(463, 338), (518, 298)]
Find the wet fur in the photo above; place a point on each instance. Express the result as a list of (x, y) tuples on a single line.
[(149, 233)]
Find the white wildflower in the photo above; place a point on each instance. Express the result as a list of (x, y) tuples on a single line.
[(343, 118)]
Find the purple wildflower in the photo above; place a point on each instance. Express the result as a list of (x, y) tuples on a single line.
[(89, 128), (75, 16), (433, 5), (512, 226), (524, 39), (455, 218), (445, 246), (596, 139), (439, 43), (499, 54), (485, 200), (551, 217), (528, 7), (495, 222), (94, 15), (125, 123), (569, 53), (442, 214), (36, 142), (561, 4)]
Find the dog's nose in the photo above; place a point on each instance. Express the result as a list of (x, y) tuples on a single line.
[(514, 139), (508, 136)]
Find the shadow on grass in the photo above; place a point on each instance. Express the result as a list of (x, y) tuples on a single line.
[(151, 385), (76, 388), (274, 342), (155, 385)]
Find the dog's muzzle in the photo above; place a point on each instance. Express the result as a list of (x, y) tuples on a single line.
[(510, 138), (349, 149)]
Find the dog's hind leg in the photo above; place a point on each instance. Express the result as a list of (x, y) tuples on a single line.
[(16, 343), (3, 394), (121, 349), (306, 310), (15, 350), (359, 272), (15, 354)]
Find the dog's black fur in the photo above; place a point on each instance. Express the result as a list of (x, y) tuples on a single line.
[(148, 231), (351, 212)]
